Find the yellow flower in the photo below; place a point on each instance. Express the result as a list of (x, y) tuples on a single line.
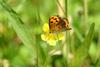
[(51, 38), (46, 28)]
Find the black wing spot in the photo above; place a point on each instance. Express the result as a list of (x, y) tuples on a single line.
[(51, 22)]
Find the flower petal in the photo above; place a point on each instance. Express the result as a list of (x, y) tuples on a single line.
[(52, 42), (43, 37), (46, 28), (60, 36), (51, 36)]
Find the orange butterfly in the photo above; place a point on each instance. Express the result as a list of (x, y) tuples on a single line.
[(58, 24)]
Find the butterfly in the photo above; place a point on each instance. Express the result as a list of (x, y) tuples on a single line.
[(58, 24)]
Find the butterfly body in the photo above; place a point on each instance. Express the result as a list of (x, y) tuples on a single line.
[(58, 24)]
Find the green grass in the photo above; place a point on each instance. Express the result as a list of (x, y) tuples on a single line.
[(20, 37)]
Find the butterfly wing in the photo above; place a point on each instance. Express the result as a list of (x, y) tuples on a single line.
[(53, 22), (66, 25), (63, 25), (58, 24)]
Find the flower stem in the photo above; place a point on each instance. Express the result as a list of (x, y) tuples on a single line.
[(85, 3)]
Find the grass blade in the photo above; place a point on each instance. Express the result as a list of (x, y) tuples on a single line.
[(81, 53), (18, 26)]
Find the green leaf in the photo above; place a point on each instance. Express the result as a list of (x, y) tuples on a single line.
[(98, 63), (18, 26), (92, 52), (82, 52)]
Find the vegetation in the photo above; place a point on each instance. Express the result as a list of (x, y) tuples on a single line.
[(24, 43)]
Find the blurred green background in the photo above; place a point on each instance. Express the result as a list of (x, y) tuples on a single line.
[(21, 24)]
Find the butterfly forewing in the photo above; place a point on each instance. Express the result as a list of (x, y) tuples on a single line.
[(58, 24)]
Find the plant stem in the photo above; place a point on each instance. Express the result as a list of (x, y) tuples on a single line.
[(62, 11), (85, 3), (66, 8), (60, 5)]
